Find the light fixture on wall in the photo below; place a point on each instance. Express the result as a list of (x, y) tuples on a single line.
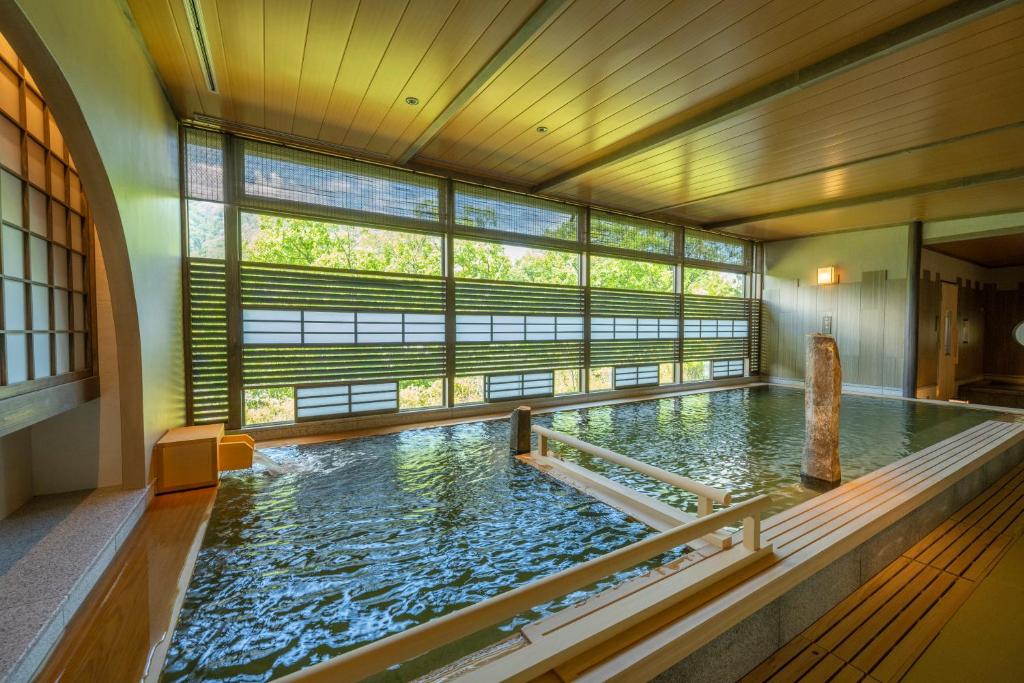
[(827, 275)]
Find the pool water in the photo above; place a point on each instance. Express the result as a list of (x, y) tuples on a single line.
[(346, 542)]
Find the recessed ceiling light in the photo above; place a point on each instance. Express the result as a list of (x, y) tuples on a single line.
[(542, 129), (413, 101)]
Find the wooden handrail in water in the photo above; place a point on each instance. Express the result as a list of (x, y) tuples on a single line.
[(418, 640), (702, 490)]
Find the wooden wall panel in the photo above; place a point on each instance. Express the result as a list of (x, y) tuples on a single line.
[(1005, 309), (867, 322)]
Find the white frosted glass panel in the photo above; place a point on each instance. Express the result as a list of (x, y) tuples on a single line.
[(78, 272), (339, 409), (78, 301), (13, 245), (330, 316), (60, 266), (258, 314), (14, 305), (75, 227), (63, 353), (80, 359), (37, 259), (41, 355), (10, 198), (60, 310), (37, 211), (301, 392), (17, 358), (40, 308), (58, 225)]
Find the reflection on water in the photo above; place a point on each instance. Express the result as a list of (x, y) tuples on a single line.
[(749, 441), (346, 542)]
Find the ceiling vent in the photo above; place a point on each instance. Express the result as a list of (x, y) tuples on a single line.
[(195, 24)]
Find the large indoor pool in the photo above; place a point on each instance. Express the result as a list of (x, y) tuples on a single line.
[(345, 542)]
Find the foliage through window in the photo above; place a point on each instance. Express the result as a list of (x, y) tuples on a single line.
[(619, 273), (305, 242), (511, 263)]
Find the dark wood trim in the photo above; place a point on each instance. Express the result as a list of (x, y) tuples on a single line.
[(232, 280), (25, 410), (915, 31)]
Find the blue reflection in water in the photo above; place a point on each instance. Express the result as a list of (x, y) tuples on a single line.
[(362, 538)]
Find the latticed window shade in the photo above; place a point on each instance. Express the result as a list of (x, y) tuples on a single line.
[(273, 176), (709, 248), (489, 210), (631, 234), (204, 165)]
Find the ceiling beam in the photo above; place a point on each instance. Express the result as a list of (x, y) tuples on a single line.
[(954, 184), (837, 167), (913, 32), (531, 27)]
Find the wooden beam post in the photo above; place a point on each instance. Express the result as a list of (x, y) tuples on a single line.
[(914, 232)]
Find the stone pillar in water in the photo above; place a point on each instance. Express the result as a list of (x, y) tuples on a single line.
[(821, 405), (519, 430)]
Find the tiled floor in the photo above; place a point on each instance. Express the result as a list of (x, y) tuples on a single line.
[(961, 589)]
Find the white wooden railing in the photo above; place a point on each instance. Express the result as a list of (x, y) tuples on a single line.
[(418, 640), (706, 495)]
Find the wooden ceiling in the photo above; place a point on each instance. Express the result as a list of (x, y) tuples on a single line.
[(765, 118), (1000, 251)]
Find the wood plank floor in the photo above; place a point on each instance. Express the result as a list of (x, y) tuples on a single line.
[(878, 632), (127, 615)]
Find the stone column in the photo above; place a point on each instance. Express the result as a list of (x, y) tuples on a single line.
[(519, 430), (824, 383)]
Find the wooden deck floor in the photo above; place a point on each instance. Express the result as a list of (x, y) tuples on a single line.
[(878, 632)]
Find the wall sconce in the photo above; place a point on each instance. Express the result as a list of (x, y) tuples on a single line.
[(827, 275)]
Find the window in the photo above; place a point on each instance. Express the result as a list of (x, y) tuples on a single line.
[(360, 289), (518, 215), (205, 229), (634, 328), (617, 273), (636, 376), (340, 327), (703, 282), (715, 329), (303, 242), (712, 248), (510, 263), (345, 399), (506, 387), (721, 369), (493, 328)]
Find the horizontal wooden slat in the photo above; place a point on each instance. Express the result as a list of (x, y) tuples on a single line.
[(482, 358), (624, 352), (265, 366), (625, 303), (509, 298), (208, 341)]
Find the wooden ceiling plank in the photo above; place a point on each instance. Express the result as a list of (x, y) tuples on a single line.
[(468, 41), (330, 27), (534, 24), (162, 31), (972, 202), (616, 42), (287, 28), (703, 76), (815, 131), (371, 36), (544, 46), (962, 143), (913, 32), (916, 125), (240, 27), (793, 112), (415, 34), (956, 183)]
